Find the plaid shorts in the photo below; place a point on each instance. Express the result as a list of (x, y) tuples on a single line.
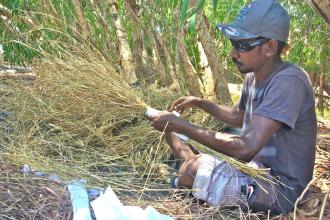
[(220, 184)]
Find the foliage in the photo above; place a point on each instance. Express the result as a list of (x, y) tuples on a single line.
[(309, 42), (80, 114)]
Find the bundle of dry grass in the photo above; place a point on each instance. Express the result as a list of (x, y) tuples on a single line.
[(59, 123), (79, 119)]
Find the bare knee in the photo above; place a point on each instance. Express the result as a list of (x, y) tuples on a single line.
[(188, 172)]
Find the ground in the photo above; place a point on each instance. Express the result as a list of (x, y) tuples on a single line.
[(27, 197)]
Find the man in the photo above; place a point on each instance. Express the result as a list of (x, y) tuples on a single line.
[(275, 111)]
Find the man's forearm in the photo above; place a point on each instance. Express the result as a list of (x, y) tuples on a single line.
[(230, 145), (243, 147), (229, 115)]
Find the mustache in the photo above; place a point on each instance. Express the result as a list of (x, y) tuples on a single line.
[(236, 61)]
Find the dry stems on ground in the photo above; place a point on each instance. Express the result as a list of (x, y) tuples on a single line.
[(78, 119), (79, 113)]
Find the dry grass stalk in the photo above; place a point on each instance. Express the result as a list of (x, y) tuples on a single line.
[(80, 119), (78, 106), (31, 198)]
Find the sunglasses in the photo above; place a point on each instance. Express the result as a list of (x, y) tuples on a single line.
[(245, 46)]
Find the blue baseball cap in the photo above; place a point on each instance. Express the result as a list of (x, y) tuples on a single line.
[(260, 18)]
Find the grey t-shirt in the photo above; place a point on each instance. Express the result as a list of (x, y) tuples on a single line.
[(285, 96)]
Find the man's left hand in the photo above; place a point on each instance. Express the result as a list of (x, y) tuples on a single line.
[(164, 121)]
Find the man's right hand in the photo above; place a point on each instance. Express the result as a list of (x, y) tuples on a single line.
[(185, 102)]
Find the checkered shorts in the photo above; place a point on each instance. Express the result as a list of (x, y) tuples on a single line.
[(220, 184)]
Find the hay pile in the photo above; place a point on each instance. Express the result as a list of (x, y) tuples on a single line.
[(80, 114), (77, 120), (76, 116), (80, 120)]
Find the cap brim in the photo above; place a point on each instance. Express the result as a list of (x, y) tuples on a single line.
[(234, 32)]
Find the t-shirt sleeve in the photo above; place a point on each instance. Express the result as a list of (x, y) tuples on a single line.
[(283, 100)]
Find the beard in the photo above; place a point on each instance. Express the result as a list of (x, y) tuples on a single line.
[(243, 69)]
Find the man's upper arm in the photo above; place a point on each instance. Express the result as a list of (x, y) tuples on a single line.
[(259, 132)]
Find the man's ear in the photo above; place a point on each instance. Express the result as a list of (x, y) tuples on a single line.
[(271, 47)]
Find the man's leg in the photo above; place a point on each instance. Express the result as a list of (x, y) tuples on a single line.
[(187, 172), (182, 151), (188, 158)]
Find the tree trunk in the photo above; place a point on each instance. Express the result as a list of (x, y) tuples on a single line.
[(208, 83), (168, 63), (143, 70), (126, 58), (220, 86), (2, 61), (137, 47), (148, 66), (323, 7), (109, 45), (86, 32), (320, 103), (176, 65), (326, 87), (162, 57), (164, 78), (313, 78), (190, 74), (162, 53)]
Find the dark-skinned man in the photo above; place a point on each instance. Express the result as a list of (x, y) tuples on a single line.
[(275, 112)]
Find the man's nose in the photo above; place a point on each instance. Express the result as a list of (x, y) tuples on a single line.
[(234, 53)]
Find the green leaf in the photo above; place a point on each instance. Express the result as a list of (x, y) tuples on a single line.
[(199, 7), (184, 9), (214, 3), (174, 3), (192, 24)]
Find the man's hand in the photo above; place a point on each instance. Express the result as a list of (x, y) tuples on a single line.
[(165, 121), (183, 103)]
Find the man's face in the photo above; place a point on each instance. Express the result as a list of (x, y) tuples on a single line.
[(247, 54)]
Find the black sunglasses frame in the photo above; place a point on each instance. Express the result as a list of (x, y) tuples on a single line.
[(245, 46)]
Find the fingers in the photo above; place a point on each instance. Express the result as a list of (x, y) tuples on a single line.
[(174, 106), (150, 118), (153, 121), (178, 109), (180, 104), (158, 122), (157, 117)]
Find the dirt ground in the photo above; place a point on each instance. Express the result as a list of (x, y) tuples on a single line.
[(24, 197)]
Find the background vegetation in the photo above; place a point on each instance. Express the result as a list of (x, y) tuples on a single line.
[(100, 64), (141, 38)]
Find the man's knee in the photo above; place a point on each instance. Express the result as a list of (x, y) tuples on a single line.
[(188, 171)]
